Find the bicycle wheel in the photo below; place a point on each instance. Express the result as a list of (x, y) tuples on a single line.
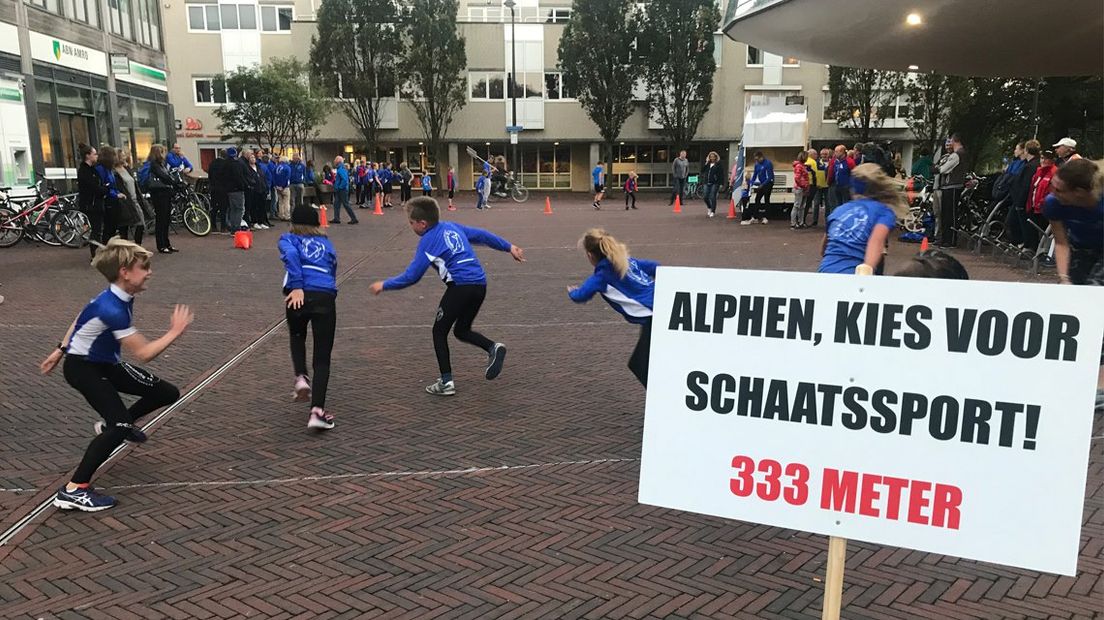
[(11, 228), (520, 193), (71, 228), (197, 221), (204, 202), (43, 229)]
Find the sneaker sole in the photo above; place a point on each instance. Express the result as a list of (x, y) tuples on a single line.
[(98, 429), (429, 391), (64, 505), (324, 426), (495, 368)]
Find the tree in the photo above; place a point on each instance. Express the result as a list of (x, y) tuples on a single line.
[(676, 46), (931, 96), (270, 105), (354, 57), (988, 115), (594, 55), (433, 65), (859, 97)]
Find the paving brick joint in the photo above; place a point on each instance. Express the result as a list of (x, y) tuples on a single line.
[(514, 499)]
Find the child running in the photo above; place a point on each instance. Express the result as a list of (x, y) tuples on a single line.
[(599, 177), (93, 366), (626, 283), (310, 289), (448, 247)]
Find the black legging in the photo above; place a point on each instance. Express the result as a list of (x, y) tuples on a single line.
[(460, 304), (256, 208), (162, 207), (404, 192), (95, 214), (762, 200), (100, 385), (628, 196), (319, 310), (638, 361)]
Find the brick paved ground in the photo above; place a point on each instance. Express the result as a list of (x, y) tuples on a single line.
[(513, 499)]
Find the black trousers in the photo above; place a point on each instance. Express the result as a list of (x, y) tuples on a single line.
[(630, 196), (100, 384), (219, 205), (319, 311), (139, 232), (404, 192), (162, 209), (638, 361), (762, 200), (948, 216), (359, 194), (459, 306)]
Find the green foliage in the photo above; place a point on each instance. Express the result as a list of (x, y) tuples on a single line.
[(859, 96), (271, 106), (433, 65), (676, 47), (594, 55), (354, 57)]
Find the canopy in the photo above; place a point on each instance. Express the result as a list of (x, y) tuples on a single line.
[(976, 38)]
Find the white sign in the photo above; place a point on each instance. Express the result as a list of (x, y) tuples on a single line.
[(145, 75), (67, 54), (947, 416), (9, 39), (120, 64)]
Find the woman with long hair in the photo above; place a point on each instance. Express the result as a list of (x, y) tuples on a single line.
[(857, 231), (712, 177), (131, 215), (161, 186), (113, 200)]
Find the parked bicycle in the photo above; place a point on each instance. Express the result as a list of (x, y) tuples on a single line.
[(47, 217), (189, 209)]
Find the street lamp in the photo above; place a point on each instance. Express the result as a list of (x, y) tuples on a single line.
[(510, 4)]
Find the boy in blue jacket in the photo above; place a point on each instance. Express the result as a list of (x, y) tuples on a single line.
[(310, 295), (448, 247), (628, 286)]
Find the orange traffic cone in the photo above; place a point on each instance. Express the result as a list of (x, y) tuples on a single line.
[(924, 245), (323, 221), (379, 206), (678, 204), (732, 208), (547, 205)]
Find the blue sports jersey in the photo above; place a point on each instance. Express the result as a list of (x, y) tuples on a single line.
[(849, 228), (310, 263), (597, 175), (101, 325), (447, 246), (632, 295)]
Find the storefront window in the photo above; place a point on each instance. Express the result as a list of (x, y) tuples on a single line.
[(118, 14), (147, 126), (126, 120)]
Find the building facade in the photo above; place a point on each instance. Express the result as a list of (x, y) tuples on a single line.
[(558, 146), (78, 71)]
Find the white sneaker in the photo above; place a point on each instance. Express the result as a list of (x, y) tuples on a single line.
[(440, 388), (265, 227), (258, 227), (711, 214), (747, 222), (763, 221), (320, 419)]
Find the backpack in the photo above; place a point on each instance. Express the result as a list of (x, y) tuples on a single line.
[(144, 177)]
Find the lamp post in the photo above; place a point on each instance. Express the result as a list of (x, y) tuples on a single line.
[(510, 4)]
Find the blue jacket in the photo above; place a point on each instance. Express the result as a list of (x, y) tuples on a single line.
[(447, 246), (481, 183), (310, 263), (841, 173), (281, 175), (341, 180), (764, 173), (385, 175), (308, 176), (107, 177), (427, 184), (172, 160), (269, 171), (298, 172), (632, 295)]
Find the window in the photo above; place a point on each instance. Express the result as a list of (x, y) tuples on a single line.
[(754, 57), (718, 40), (554, 88), (828, 116), (209, 91), (790, 61), (247, 17), (487, 85), (149, 24), (214, 17), (196, 19), (558, 16), (229, 15), (118, 15), (49, 5), (87, 11), (276, 18), (485, 14)]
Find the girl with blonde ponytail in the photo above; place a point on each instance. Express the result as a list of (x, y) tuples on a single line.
[(626, 283), (857, 231)]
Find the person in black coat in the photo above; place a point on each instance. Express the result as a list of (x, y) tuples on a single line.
[(161, 188), (1018, 193), (712, 177), (91, 192), (216, 180)]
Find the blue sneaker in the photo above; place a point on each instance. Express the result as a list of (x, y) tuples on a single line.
[(85, 500), (495, 359), (135, 435)]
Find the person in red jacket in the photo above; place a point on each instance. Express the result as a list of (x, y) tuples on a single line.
[(1040, 189), (801, 187)]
